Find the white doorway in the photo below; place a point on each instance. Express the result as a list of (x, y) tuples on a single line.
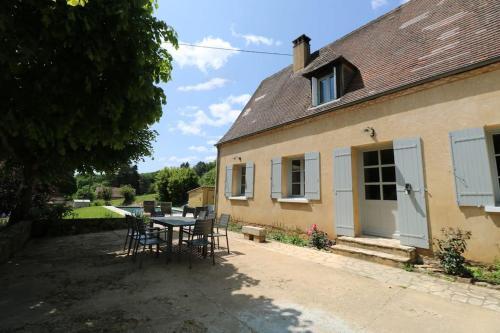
[(378, 196)]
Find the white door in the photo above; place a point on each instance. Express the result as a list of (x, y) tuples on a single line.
[(378, 196)]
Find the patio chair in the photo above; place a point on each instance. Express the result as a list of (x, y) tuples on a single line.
[(198, 210), (222, 224), (166, 208), (201, 237), (147, 236), (149, 207), (129, 237), (188, 230), (186, 210)]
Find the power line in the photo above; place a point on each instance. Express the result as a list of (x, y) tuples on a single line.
[(235, 50)]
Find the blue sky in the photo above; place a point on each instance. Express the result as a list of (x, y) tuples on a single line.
[(210, 87)]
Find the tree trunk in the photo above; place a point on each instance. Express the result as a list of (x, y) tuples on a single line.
[(25, 198)]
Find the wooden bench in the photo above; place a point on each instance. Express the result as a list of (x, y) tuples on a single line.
[(256, 234)]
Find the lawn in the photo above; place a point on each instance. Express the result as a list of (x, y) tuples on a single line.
[(93, 212), (138, 199)]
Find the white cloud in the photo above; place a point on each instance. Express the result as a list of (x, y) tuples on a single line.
[(208, 85), (378, 3), (200, 149), (203, 58), (255, 39), (219, 114), (177, 160), (210, 158)]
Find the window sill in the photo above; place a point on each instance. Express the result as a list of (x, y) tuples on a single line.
[(492, 209), (323, 104), (294, 200), (240, 198)]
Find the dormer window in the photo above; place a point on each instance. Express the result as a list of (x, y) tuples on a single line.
[(327, 88)]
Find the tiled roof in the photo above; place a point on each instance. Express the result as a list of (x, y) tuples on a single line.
[(418, 41)]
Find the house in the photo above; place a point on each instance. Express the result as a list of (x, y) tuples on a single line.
[(392, 131)]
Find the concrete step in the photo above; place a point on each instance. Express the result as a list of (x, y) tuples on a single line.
[(371, 255), (390, 246)]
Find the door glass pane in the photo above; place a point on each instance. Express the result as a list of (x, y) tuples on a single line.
[(295, 177), (496, 143), (332, 87), (370, 158), (323, 90), (389, 174), (372, 192), (371, 175), (387, 156), (498, 165), (295, 189), (389, 192)]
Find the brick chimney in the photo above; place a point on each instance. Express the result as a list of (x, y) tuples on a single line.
[(301, 52)]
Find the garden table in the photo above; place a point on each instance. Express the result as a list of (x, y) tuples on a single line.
[(170, 222)]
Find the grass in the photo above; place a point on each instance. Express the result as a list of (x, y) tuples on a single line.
[(489, 274), (138, 199), (288, 237), (92, 212)]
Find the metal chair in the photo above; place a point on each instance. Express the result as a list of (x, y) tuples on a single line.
[(202, 237), (186, 210), (129, 237), (147, 236), (149, 207), (223, 224), (198, 210), (166, 208)]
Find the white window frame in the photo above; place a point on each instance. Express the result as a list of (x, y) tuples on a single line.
[(493, 164), (329, 78), (302, 177)]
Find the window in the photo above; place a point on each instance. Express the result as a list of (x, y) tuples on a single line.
[(296, 177), (242, 180), (496, 153), (327, 88), (379, 175)]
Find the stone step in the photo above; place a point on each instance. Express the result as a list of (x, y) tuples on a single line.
[(390, 246), (371, 255)]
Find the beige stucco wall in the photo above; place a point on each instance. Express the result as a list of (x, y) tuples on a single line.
[(430, 114)]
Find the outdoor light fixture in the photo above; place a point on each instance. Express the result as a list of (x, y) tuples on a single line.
[(237, 158), (370, 131)]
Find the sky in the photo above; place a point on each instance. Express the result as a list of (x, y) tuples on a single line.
[(210, 87)]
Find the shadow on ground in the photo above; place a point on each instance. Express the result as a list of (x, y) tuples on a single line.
[(85, 283)]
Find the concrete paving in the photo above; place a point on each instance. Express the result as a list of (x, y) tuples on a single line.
[(85, 283)]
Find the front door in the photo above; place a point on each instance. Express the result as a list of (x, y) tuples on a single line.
[(378, 196)]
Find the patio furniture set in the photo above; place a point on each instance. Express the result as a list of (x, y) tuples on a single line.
[(202, 230)]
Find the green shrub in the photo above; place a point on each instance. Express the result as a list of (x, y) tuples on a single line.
[(104, 193), (450, 250), (85, 192), (489, 274), (174, 183), (128, 193), (288, 237), (208, 179), (317, 238), (98, 202)]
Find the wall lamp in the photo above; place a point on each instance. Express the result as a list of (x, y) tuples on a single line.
[(370, 131), (237, 158)]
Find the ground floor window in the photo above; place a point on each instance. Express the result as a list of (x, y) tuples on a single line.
[(379, 173), (296, 177), (496, 156), (242, 180)]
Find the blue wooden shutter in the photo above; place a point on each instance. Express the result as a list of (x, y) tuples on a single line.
[(276, 178), (249, 180), (471, 168), (342, 187), (228, 186), (312, 176), (412, 209)]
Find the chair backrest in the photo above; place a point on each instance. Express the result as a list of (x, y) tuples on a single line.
[(203, 227), (211, 215), (223, 221), (186, 209), (149, 207), (139, 226), (130, 220), (197, 210), (202, 215), (166, 208)]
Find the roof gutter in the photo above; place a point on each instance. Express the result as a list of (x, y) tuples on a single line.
[(369, 98)]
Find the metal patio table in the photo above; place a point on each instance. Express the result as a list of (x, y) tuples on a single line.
[(170, 222)]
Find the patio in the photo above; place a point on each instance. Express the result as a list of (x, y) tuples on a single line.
[(84, 283)]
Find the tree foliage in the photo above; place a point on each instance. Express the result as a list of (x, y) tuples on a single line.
[(79, 86), (174, 183), (208, 179), (203, 167)]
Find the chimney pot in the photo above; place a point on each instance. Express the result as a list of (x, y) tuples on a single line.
[(301, 52)]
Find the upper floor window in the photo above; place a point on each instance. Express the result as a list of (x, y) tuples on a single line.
[(327, 89)]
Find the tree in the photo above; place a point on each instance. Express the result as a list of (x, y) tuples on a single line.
[(80, 87), (201, 167), (208, 179), (126, 174), (174, 183), (128, 193), (185, 165)]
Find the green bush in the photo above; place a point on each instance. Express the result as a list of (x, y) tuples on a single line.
[(85, 192), (317, 238), (208, 179), (450, 250), (288, 237), (489, 274), (104, 193), (174, 183), (128, 193)]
